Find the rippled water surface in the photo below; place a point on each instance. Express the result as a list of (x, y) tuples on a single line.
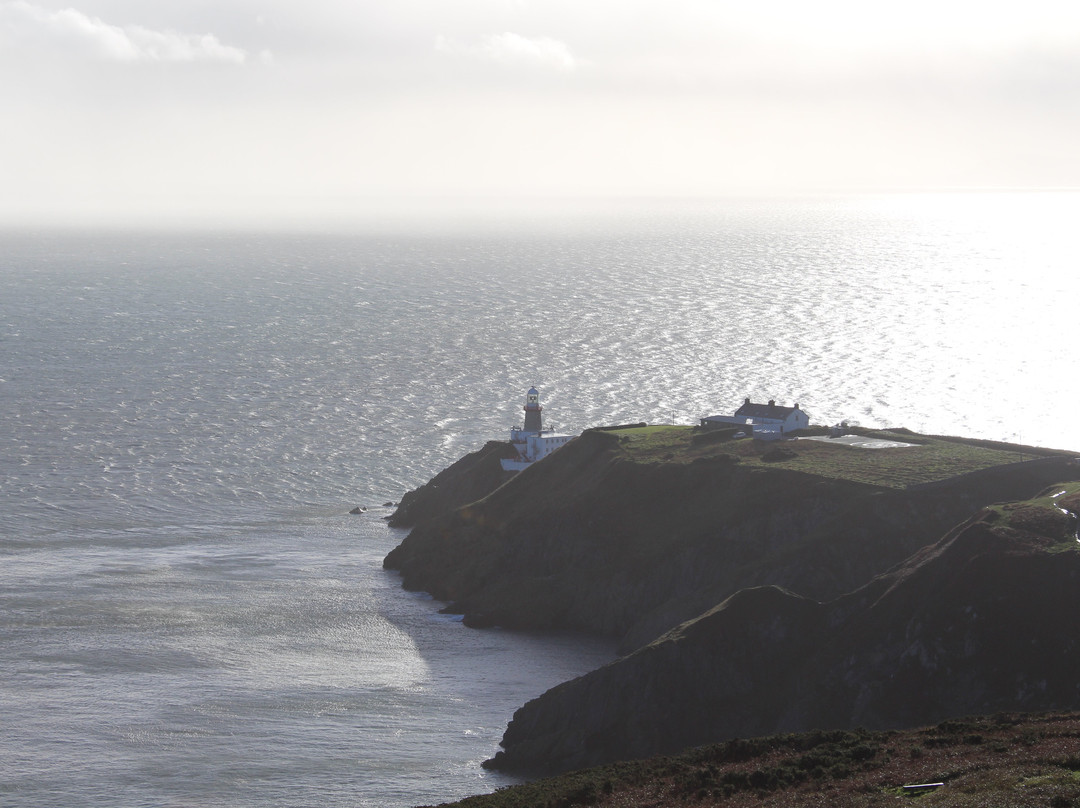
[(188, 616)]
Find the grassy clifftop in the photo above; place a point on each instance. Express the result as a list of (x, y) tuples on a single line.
[(927, 460)]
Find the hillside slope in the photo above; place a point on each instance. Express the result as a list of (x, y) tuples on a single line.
[(980, 622)]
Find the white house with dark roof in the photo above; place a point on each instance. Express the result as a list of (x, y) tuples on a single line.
[(762, 421)]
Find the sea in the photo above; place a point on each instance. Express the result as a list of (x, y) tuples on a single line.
[(189, 613)]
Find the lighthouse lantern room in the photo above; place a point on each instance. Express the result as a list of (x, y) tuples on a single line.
[(533, 411)]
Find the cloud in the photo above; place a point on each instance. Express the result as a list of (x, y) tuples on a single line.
[(514, 50), (74, 31), (509, 48)]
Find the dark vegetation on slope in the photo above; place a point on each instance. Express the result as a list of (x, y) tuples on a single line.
[(1001, 761)]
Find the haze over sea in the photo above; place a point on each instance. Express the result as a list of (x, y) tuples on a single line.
[(189, 616)]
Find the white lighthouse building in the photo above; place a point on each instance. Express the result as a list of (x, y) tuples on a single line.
[(532, 441)]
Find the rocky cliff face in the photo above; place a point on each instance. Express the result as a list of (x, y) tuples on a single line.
[(672, 694), (592, 541), (982, 621)]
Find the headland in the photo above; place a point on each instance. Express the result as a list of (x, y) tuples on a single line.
[(760, 587)]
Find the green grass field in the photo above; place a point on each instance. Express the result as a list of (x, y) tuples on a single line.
[(932, 459)]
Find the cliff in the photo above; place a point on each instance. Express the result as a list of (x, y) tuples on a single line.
[(631, 533), (762, 588), (980, 622), (467, 480)]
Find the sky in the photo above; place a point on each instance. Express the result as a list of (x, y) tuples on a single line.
[(276, 110)]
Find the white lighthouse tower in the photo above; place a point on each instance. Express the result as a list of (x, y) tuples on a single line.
[(531, 440), (533, 411)]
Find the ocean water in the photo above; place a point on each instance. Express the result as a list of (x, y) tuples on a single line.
[(188, 614)]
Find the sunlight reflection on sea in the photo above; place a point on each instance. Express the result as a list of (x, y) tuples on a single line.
[(188, 614)]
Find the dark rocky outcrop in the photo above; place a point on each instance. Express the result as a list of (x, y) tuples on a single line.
[(980, 622)]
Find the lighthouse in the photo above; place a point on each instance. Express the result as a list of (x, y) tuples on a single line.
[(531, 440), (532, 411)]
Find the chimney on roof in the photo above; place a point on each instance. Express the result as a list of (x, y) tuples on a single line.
[(772, 402), (796, 405), (747, 400)]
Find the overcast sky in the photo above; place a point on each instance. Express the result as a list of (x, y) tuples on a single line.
[(139, 109)]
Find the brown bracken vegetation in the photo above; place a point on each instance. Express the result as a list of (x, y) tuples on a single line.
[(1002, 761)]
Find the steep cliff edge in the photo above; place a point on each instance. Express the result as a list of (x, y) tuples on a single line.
[(625, 534), (467, 480), (980, 622)]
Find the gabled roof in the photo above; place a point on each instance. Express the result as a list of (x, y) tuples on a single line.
[(749, 410)]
